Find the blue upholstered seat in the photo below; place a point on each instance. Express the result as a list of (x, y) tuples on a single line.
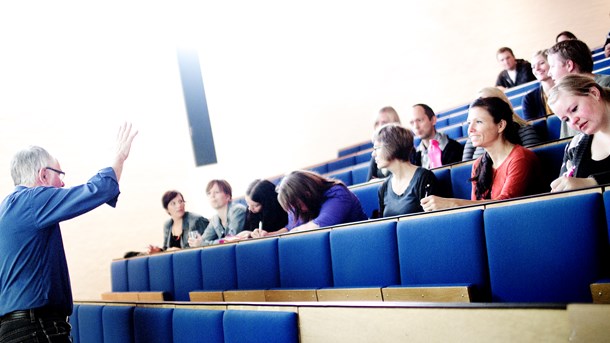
[(546, 251), (445, 249), (460, 180), (359, 174), (541, 128), (89, 321), (218, 268), (73, 320), (153, 325), (553, 125), (367, 194), (363, 156), (305, 261), (551, 158), (443, 176), (118, 324), (345, 176), (118, 276), (161, 274), (257, 264), (340, 163), (260, 326), (365, 255), (187, 273), (454, 131), (197, 326), (137, 271)]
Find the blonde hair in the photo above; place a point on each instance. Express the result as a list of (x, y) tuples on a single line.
[(579, 85), (488, 92)]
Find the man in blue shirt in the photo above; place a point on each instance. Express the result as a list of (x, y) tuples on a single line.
[(35, 293)]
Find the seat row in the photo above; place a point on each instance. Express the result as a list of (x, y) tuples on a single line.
[(548, 248), (99, 323)]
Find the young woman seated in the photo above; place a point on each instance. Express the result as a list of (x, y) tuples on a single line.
[(526, 133), (313, 201), (402, 191), (506, 170), (585, 106), (264, 210)]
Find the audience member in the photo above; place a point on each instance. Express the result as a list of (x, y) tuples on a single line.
[(534, 103), (181, 224), (506, 170), (584, 104), (229, 218), (516, 71), (526, 133), (422, 122), (565, 35), (572, 57), (264, 210), (313, 201), (35, 293), (407, 184), (386, 115)]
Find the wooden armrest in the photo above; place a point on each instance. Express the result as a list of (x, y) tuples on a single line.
[(349, 294), (120, 296), (244, 296), (600, 292), (207, 296), (431, 294), (291, 295)]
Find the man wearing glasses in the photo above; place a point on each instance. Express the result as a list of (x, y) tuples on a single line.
[(35, 293)]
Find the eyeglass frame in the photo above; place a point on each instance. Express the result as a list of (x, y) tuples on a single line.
[(61, 173)]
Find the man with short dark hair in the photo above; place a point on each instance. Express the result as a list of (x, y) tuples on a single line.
[(516, 71), (35, 293), (422, 121)]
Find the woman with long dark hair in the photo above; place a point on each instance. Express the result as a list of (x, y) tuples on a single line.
[(506, 170), (264, 210)]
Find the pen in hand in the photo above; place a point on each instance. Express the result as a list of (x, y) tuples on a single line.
[(427, 188)]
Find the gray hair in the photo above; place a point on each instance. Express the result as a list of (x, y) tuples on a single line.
[(27, 163)]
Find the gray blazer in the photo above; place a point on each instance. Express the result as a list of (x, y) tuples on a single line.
[(236, 216), (190, 222)]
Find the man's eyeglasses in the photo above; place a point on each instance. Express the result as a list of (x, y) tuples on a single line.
[(61, 174)]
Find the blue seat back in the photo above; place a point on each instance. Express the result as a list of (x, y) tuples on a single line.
[(461, 185), (364, 156), (197, 326), (305, 261), (257, 264), (365, 255), (137, 271), (118, 276), (161, 274), (344, 176), (367, 194), (260, 326), (443, 176), (187, 273), (551, 158), (545, 251), (444, 249), (118, 324), (454, 132), (553, 125), (73, 320), (541, 128), (153, 325), (340, 163), (89, 320), (218, 268), (360, 173)]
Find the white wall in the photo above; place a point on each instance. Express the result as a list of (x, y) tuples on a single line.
[(287, 86)]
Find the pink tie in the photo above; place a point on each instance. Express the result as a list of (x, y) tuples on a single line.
[(434, 154)]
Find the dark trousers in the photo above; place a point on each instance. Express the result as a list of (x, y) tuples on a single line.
[(32, 327)]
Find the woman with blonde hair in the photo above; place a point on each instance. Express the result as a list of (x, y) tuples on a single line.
[(585, 105), (526, 133)]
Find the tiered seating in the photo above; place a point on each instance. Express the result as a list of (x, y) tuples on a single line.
[(101, 323), (535, 244)]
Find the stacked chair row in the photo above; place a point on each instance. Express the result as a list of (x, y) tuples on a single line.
[(546, 248), (99, 323)]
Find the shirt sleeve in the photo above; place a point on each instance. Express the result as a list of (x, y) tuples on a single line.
[(55, 205), (237, 219)]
